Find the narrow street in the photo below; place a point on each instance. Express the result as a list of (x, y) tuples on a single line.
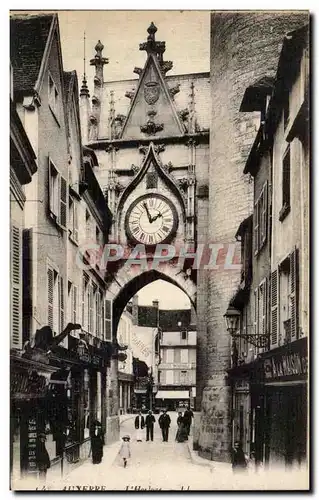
[(153, 465)]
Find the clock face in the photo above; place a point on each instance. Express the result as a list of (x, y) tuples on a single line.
[(151, 219)]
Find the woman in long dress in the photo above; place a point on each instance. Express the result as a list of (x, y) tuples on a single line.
[(97, 443), (181, 434)]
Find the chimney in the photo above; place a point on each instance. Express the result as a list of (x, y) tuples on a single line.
[(155, 303)]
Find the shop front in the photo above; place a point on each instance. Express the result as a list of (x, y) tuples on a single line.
[(55, 397), (246, 383), (286, 408)]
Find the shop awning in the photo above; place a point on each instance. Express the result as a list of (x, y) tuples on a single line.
[(172, 395)]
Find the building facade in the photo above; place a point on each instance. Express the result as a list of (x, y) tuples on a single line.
[(125, 374), (244, 49), (269, 389), (61, 344), (177, 369)]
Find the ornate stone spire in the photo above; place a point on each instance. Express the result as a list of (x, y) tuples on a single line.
[(157, 48), (84, 91), (98, 61)]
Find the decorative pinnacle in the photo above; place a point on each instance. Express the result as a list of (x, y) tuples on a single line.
[(99, 60), (84, 91), (99, 46), (152, 30), (151, 46)]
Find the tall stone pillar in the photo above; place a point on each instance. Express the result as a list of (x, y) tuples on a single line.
[(244, 48)]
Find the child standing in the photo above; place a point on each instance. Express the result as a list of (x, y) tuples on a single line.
[(125, 451)]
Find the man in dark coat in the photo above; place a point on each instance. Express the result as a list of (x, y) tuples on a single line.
[(164, 423), (149, 422), (97, 442), (239, 461), (187, 418), (42, 456)]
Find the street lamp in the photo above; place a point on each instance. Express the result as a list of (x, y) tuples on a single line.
[(232, 318)]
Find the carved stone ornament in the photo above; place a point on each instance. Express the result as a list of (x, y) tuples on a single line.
[(168, 166), (135, 168), (130, 94), (184, 113), (166, 66), (174, 90), (151, 92), (143, 149), (159, 148), (151, 128), (183, 183)]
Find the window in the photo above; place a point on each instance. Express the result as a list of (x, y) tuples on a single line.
[(184, 377), (284, 301), (261, 219), (177, 355), (108, 320), (16, 290), (55, 301), (260, 308), (184, 335), (85, 304), (73, 219), (87, 225), (72, 302), (286, 165), (184, 355), (151, 180), (57, 195), (286, 107), (53, 98)]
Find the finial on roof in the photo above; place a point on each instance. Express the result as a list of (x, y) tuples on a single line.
[(152, 29), (99, 46)]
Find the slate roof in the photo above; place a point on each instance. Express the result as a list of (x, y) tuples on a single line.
[(168, 319), (28, 37)]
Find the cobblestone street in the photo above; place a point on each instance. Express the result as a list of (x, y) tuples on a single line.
[(153, 465)]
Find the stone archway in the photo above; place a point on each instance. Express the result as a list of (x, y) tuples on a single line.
[(128, 282)]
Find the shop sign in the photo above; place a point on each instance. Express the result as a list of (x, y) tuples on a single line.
[(286, 365), (26, 384), (32, 445)]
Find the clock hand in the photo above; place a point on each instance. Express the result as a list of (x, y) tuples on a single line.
[(148, 214), (156, 217)]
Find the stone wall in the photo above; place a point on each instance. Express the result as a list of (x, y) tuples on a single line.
[(244, 47)]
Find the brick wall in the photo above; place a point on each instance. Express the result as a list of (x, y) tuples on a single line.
[(244, 47)]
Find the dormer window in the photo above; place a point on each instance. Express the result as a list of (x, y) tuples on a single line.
[(53, 98)]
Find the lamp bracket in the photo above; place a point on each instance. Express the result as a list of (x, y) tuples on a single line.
[(261, 340)]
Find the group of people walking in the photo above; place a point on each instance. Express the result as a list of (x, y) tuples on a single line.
[(183, 425)]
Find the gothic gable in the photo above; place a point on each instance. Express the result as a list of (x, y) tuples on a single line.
[(152, 112)]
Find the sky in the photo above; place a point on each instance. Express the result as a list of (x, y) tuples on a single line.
[(168, 295), (186, 33)]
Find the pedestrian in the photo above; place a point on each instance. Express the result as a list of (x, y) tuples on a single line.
[(181, 434), (239, 462), (125, 451), (139, 426), (97, 442), (188, 415), (149, 422), (42, 456), (164, 423)]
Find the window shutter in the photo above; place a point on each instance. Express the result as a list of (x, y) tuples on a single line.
[(63, 201), (274, 307), (256, 311), (294, 287), (74, 303), (61, 305), (108, 320), (16, 291), (264, 218), (50, 186), (75, 221), (27, 284), (50, 278), (256, 228), (90, 296), (264, 308)]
